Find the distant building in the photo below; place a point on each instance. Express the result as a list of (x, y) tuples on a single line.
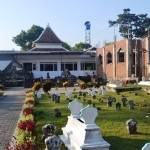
[(48, 56), (116, 61)]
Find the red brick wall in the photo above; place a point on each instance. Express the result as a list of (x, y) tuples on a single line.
[(121, 66), (144, 57), (120, 69)]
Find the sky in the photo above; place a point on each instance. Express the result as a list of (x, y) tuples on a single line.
[(65, 17)]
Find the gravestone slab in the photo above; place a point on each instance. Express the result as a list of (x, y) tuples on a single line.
[(88, 115), (75, 108), (53, 143), (82, 133), (146, 146)]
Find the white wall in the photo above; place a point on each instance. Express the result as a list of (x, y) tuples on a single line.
[(53, 74)]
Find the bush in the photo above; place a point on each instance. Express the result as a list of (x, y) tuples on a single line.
[(82, 84), (1, 93), (2, 87), (66, 84), (27, 111), (36, 86), (123, 89), (86, 79), (89, 84), (47, 86)]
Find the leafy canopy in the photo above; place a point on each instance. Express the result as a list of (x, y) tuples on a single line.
[(25, 38), (80, 46), (131, 25)]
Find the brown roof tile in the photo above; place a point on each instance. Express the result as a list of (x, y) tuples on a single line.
[(48, 36)]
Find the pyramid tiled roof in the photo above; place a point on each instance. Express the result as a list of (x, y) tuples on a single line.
[(48, 36)]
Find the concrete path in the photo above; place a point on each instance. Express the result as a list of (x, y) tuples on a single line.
[(10, 107)]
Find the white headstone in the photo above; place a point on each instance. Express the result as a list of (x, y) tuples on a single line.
[(68, 93), (75, 108), (88, 114), (53, 143), (39, 93), (146, 146), (93, 92), (103, 90)]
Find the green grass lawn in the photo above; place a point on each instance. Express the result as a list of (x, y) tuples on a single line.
[(112, 123)]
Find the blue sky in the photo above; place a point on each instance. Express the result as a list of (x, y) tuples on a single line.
[(66, 18)]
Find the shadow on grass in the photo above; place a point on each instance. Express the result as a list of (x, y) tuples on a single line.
[(118, 143)]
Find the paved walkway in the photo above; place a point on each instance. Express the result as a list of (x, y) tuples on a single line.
[(10, 107)]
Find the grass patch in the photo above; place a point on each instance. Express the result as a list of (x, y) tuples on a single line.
[(112, 123)]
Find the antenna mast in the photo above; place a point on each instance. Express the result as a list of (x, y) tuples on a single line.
[(87, 32)]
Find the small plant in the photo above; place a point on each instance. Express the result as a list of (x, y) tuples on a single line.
[(89, 102), (66, 84), (2, 87), (75, 96), (27, 111), (136, 94), (94, 104), (94, 96), (67, 99), (98, 108), (84, 100), (70, 100), (84, 94), (36, 86)]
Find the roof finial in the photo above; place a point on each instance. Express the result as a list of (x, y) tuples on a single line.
[(48, 24)]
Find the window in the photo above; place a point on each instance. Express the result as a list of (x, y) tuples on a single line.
[(121, 55), (69, 65), (109, 58), (88, 66), (100, 60), (48, 67), (34, 67), (27, 66)]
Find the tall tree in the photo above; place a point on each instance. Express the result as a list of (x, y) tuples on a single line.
[(131, 25), (80, 46), (25, 38)]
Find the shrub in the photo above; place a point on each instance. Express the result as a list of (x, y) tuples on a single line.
[(27, 111), (89, 84), (98, 108), (128, 88), (47, 86), (94, 96), (27, 125), (82, 84), (29, 145), (2, 87), (1, 93), (75, 96), (66, 84), (89, 102), (36, 86), (86, 79), (84, 94)]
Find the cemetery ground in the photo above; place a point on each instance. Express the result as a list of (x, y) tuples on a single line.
[(110, 121)]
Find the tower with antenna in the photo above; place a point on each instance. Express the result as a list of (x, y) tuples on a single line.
[(87, 32)]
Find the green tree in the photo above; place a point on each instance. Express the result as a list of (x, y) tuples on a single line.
[(66, 45), (80, 46), (25, 38), (131, 25)]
